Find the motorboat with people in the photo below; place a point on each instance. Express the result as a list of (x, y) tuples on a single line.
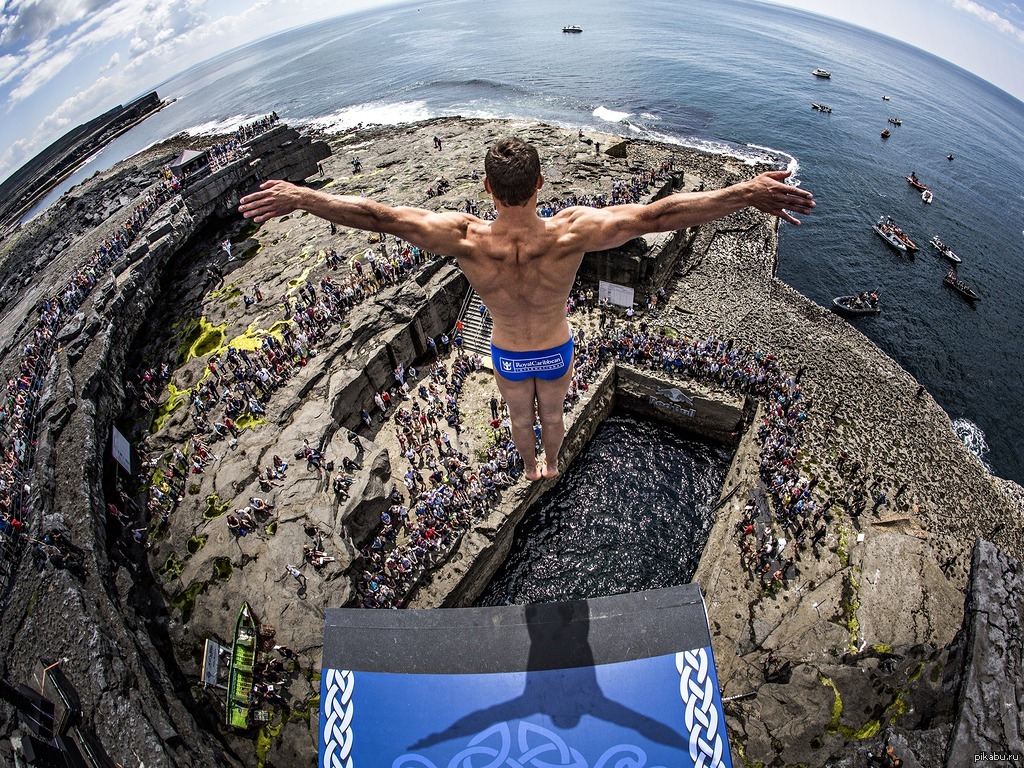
[(887, 230), (886, 134), (863, 303), (819, 72), (891, 232), (945, 250), (821, 107), (895, 121), (927, 196), (915, 182), (572, 28), (953, 281)]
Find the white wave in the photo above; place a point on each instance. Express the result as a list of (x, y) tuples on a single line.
[(649, 116), (973, 438), (610, 115), (224, 125), (371, 113)]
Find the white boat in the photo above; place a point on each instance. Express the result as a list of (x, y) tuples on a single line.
[(821, 73), (888, 232), (945, 250), (885, 98), (572, 28), (821, 107), (927, 196)]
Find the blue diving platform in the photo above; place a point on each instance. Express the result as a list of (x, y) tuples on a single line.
[(611, 681)]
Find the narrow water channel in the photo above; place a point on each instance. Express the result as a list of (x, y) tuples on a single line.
[(632, 513)]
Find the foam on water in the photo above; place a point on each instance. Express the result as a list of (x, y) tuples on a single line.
[(610, 115), (371, 113), (973, 437), (224, 125)]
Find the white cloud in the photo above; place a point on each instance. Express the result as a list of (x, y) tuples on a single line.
[(989, 16), (163, 22), (37, 19), (41, 73), (115, 60)]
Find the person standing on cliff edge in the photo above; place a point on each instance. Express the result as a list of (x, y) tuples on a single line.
[(523, 266)]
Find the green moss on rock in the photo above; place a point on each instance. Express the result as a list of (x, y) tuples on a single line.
[(215, 507), (195, 543), (172, 567)]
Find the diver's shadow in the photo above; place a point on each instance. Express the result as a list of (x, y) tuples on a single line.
[(566, 627)]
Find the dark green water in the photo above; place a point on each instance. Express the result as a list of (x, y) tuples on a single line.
[(632, 513)]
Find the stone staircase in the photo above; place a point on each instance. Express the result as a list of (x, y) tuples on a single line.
[(476, 329)]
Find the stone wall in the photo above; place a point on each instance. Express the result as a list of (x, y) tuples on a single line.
[(280, 153), (717, 416), (990, 677)]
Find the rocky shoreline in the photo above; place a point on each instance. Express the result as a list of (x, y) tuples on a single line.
[(878, 610)]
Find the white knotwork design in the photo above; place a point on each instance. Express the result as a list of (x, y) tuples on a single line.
[(337, 729), (696, 686), (531, 746)]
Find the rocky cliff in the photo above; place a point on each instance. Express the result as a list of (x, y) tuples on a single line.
[(864, 635)]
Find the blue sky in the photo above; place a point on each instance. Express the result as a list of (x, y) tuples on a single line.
[(65, 61)]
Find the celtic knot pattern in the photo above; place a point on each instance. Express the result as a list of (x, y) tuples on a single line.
[(337, 727), (532, 747), (696, 686)]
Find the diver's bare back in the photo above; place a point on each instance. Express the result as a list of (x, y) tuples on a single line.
[(524, 275)]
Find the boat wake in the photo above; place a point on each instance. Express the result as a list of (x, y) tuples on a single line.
[(973, 438)]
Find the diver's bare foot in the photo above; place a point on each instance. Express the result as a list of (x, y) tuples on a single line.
[(533, 474), (550, 471)]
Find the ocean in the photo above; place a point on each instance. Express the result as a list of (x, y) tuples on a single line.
[(728, 76)]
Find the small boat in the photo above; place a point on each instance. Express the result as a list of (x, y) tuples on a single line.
[(945, 250), (885, 98), (949, 157), (821, 73), (863, 303), (887, 230), (915, 182), (927, 196), (886, 134), (960, 286), (240, 674), (572, 28), (895, 121), (822, 108)]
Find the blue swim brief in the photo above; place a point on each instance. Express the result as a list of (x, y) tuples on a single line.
[(548, 364)]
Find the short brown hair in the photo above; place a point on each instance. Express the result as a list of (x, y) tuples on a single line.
[(513, 169)]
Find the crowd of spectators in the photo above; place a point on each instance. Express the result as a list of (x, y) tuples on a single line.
[(18, 409), (444, 493)]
